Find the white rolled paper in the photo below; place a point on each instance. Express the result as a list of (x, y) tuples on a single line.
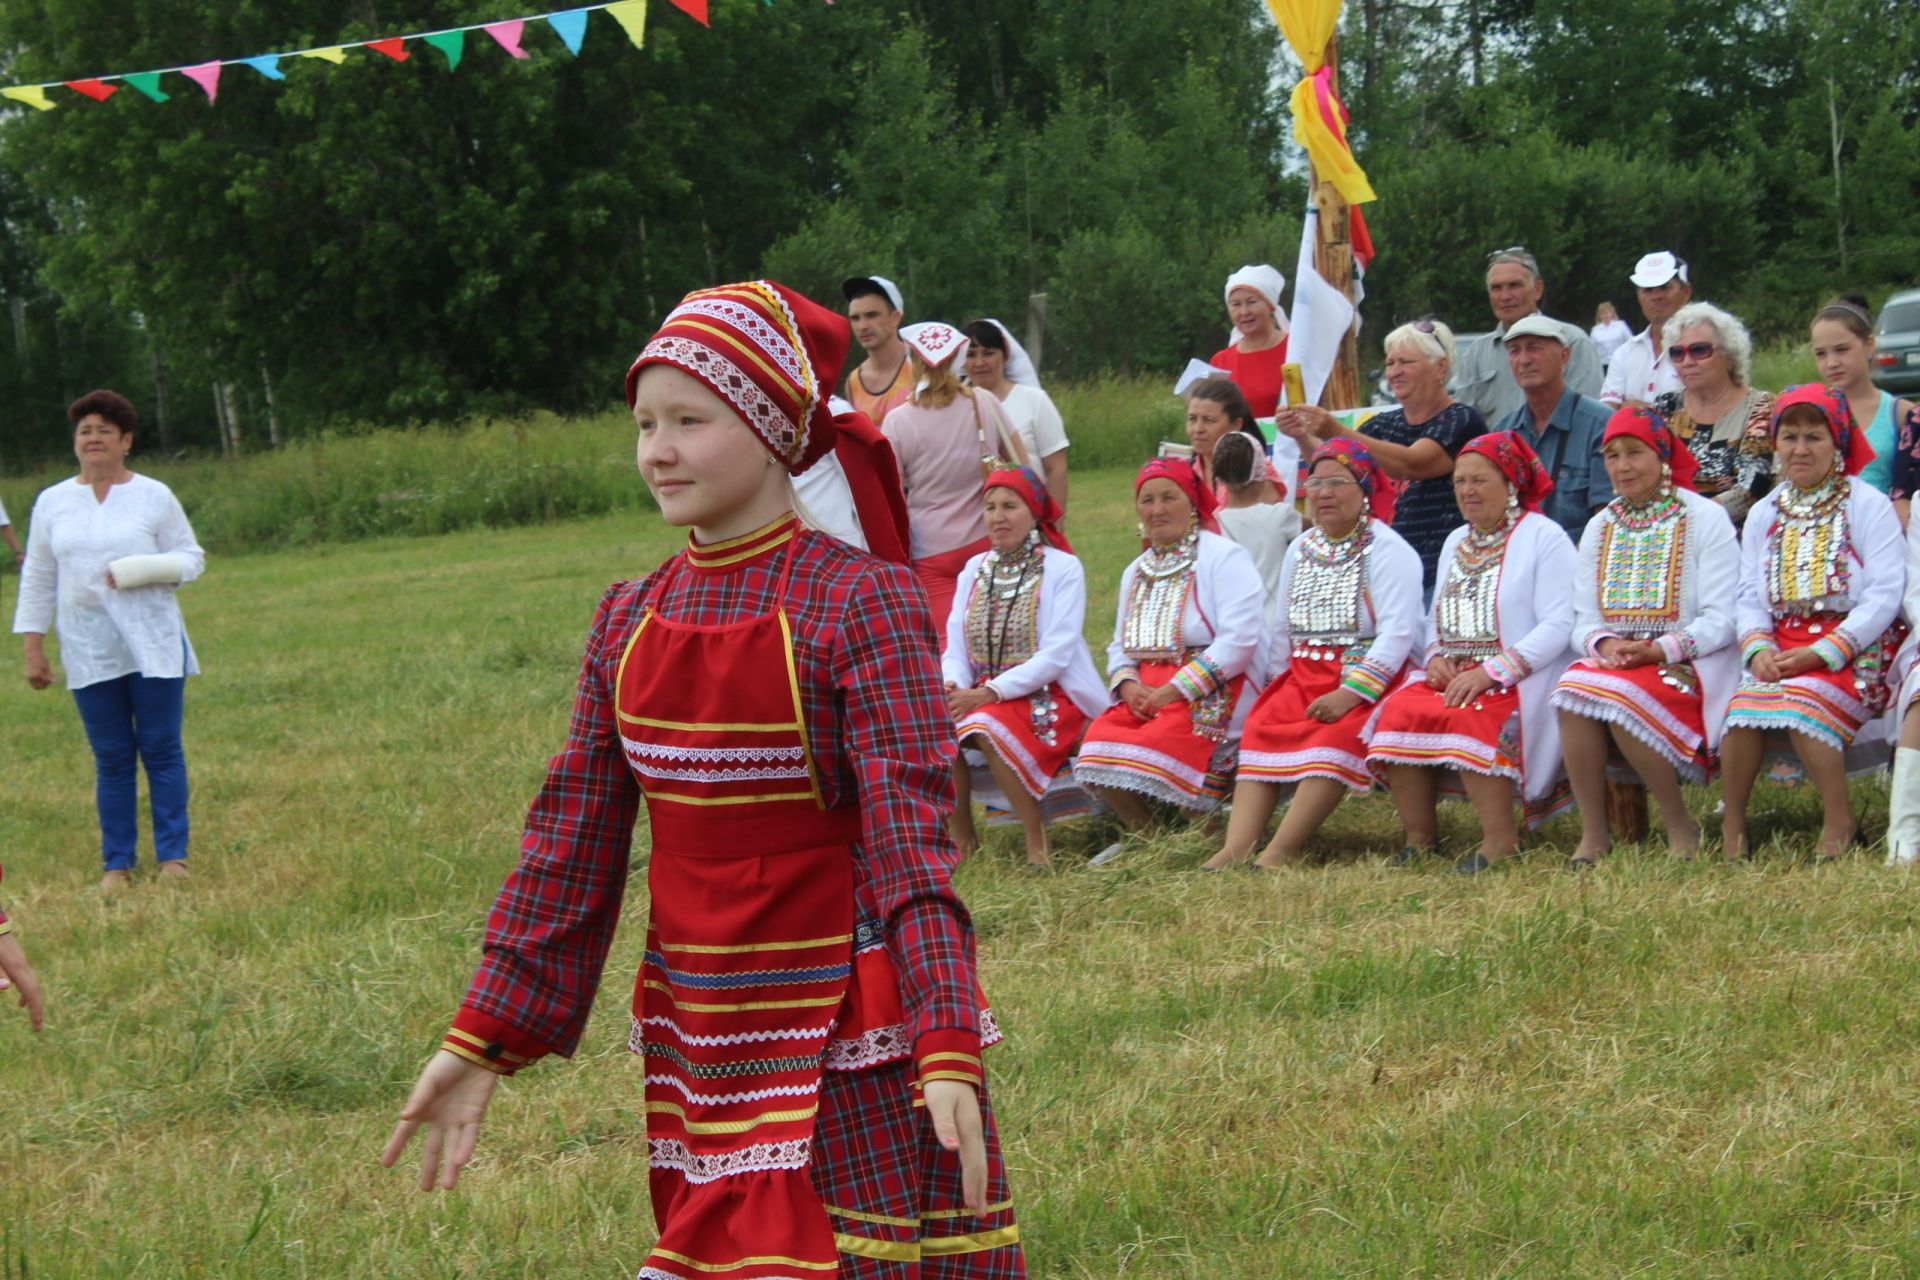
[(144, 571)]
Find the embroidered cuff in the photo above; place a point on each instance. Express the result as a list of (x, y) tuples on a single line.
[(1367, 680), (1120, 677), (1755, 643), (1197, 679), (1843, 644), (947, 1055), (1679, 646), (1831, 652), (489, 1042), (1507, 668), (1592, 646)]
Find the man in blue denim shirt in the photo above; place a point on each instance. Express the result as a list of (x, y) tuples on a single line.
[(1563, 426)]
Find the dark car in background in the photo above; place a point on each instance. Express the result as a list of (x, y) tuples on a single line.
[(1896, 362)]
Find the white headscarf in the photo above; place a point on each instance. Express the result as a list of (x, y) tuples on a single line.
[(1264, 280), (1019, 366)]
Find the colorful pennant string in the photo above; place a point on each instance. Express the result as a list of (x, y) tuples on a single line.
[(569, 25)]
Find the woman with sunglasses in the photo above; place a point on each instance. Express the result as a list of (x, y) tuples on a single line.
[(1822, 572), (1724, 421), (1653, 621)]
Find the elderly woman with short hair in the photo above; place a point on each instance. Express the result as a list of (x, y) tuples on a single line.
[(1725, 421), (106, 552), (1414, 444)]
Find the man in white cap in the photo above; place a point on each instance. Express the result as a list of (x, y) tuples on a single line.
[(1640, 371), (881, 383), (1483, 377), (1563, 426)]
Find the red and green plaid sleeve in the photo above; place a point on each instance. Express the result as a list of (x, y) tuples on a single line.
[(549, 930), (899, 744)]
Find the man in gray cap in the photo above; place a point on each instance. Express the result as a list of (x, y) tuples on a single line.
[(882, 382), (1640, 371), (1483, 378), (1563, 426)]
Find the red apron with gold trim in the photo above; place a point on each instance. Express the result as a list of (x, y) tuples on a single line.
[(750, 966)]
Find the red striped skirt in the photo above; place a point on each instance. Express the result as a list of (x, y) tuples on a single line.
[(1824, 705), (1283, 745), (1417, 727), (1162, 758), (1659, 704), (1010, 729)]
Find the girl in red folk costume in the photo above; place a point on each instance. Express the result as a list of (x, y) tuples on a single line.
[(1653, 617), (1020, 682), (1349, 618), (1187, 632), (1479, 716), (808, 988), (1821, 576)]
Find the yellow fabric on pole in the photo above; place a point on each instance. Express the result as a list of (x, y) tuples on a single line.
[(335, 55), (33, 95), (1326, 143), (1308, 25), (632, 17)]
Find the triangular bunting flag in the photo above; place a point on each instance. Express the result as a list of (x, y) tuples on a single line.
[(148, 82), (632, 17), (571, 27), (451, 43), (695, 9), (507, 34), (395, 48), (335, 55), (33, 95), (268, 65), (207, 76), (94, 89)]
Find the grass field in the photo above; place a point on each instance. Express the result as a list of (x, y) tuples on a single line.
[(1656, 1069)]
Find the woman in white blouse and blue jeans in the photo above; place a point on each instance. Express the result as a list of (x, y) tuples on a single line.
[(105, 553)]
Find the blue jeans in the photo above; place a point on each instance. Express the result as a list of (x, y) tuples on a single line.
[(136, 718)]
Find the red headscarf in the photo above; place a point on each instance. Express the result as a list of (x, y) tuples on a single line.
[(1365, 471), (1848, 438), (1046, 512), (1182, 473), (1517, 462), (1651, 430)]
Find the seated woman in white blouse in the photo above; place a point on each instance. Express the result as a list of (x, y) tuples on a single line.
[(1020, 682), (1186, 637), (105, 553), (1653, 625)]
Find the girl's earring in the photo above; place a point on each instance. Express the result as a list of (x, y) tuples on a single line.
[(1140, 527)]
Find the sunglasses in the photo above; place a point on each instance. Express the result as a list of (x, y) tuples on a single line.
[(1693, 351), (1512, 250)]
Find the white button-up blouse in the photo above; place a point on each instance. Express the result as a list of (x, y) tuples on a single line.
[(107, 633)]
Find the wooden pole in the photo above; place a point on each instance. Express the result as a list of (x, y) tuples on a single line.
[(1333, 254)]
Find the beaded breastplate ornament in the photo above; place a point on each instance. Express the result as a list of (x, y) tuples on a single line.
[(1157, 603), (1327, 596), (1003, 625), (1641, 562), (1808, 550), (1467, 612)]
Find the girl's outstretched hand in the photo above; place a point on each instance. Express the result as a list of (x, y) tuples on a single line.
[(17, 973), (449, 1098)]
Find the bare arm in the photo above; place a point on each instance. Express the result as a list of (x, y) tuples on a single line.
[(1055, 466)]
